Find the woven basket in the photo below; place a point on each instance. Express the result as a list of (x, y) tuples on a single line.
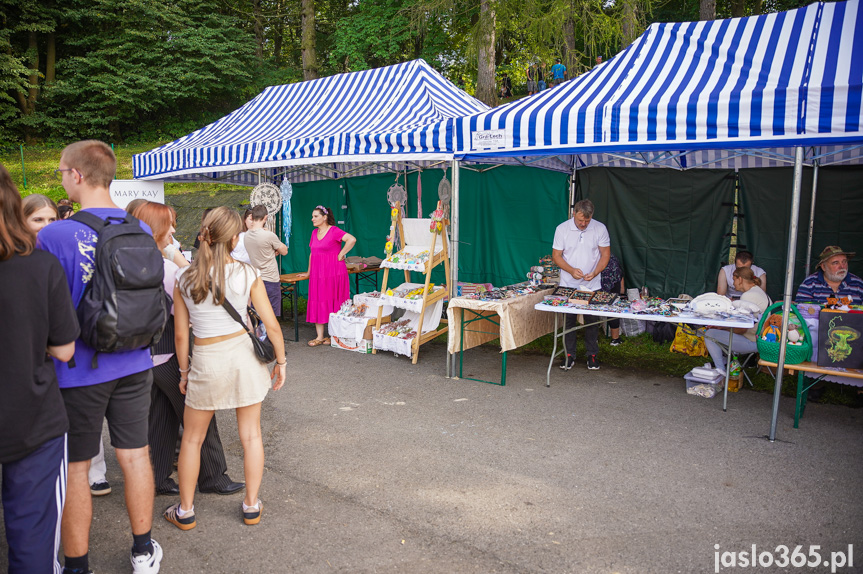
[(794, 354)]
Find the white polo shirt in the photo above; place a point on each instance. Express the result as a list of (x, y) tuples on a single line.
[(581, 250)]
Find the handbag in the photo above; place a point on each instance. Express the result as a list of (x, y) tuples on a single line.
[(688, 342), (264, 350)]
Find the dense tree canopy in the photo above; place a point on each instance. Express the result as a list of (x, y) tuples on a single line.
[(125, 70)]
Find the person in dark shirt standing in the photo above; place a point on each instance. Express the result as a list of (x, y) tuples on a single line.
[(38, 320)]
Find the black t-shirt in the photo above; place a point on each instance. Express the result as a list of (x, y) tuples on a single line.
[(35, 312)]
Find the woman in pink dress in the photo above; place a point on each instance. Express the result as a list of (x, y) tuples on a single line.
[(328, 274)]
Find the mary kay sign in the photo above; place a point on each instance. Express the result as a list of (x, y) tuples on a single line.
[(125, 190)]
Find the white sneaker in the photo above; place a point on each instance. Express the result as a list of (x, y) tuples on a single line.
[(147, 563)]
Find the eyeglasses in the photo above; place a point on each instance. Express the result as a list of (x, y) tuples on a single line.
[(58, 173)]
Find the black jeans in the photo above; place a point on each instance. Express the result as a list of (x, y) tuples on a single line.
[(591, 335)]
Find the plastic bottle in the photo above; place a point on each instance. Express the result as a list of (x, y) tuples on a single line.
[(734, 375), (644, 292)]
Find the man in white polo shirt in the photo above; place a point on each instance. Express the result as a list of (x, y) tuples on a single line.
[(581, 249)]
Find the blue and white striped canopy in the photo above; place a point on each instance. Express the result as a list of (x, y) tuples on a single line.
[(393, 114), (710, 92)]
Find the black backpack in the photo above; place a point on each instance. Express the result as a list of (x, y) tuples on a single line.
[(124, 307)]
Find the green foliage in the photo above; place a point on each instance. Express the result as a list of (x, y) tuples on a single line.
[(142, 70)]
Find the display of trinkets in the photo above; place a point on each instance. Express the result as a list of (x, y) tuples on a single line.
[(603, 298), (409, 258), (581, 297), (401, 329), (508, 292), (563, 292), (348, 309), (549, 268)]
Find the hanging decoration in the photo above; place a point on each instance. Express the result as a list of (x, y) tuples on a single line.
[(394, 214), (444, 193), (437, 217), (268, 195), (397, 194), (419, 192), (287, 192)]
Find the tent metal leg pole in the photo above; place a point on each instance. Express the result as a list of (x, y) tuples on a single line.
[(789, 284), (812, 217), (455, 244)]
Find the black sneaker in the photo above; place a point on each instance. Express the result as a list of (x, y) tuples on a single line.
[(592, 363), (100, 488), (76, 571), (567, 364), (616, 342)]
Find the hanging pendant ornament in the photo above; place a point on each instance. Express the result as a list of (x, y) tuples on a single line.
[(269, 196), (287, 191), (444, 193)]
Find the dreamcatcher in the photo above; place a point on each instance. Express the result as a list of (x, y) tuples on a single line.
[(268, 195), (396, 193), (444, 193), (287, 191)]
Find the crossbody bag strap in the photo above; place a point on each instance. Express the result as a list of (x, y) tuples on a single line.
[(236, 316)]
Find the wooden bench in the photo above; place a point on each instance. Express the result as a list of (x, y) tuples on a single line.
[(810, 367)]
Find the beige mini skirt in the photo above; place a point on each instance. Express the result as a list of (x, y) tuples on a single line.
[(226, 375)]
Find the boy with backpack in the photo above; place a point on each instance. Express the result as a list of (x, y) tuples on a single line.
[(105, 258)]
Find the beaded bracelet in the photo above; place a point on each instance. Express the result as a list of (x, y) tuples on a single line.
[(185, 370)]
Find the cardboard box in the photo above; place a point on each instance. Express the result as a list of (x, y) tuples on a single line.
[(358, 346)]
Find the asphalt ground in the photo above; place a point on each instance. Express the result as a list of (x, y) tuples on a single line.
[(375, 465)]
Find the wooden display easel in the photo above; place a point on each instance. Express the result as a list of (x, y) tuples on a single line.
[(428, 298)]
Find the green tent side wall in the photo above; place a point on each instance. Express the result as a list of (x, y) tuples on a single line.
[(765, 197), (669, 229)]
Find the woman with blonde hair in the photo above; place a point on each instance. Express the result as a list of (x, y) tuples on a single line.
[(167, 404), (753, 296), (39, 211), (224, 373)]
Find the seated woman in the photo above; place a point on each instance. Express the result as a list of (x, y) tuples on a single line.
[(724, 284), (749, 285)]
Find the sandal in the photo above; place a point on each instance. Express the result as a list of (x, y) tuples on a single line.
[(316, 342)]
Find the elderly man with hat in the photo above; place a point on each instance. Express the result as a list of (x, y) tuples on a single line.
[(832, 279)]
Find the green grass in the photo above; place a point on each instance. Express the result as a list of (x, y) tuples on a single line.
[(41, 161)]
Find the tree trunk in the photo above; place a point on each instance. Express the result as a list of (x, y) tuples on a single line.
[(629, 23), (279, 35), (27, 103), (51, 58), (259, 29), (738, 7), (756, 8), (708, 10), (485, 81), (310, 60), (570, 51)]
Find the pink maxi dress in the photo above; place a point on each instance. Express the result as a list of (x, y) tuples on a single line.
[(328, 277)]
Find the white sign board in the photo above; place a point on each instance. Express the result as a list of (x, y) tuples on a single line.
[(125, 190), (487, 139)]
